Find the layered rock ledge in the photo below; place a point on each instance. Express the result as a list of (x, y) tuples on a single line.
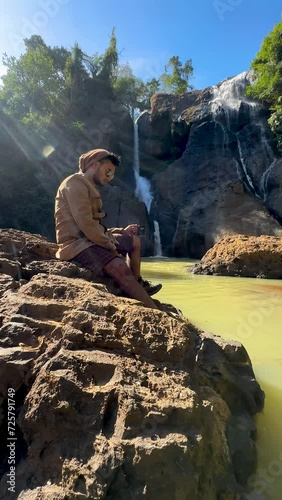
[(115, 400), (241, 255)]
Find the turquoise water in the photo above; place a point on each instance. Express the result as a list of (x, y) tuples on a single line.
[(250, 311)]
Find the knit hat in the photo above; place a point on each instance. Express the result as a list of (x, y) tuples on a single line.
[(86, 160)]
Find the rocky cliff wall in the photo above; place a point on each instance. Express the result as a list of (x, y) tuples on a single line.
[(213, 165), (209, 155), (31, 169)]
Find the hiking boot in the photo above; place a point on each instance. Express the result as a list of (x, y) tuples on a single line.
[(150, 288)]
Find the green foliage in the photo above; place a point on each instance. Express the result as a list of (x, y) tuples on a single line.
[(153, 86), (145, 92), (177, 82), (49, 87), (78, 125), (109, 60), (75, 73), (129, 89), (275, 122), (36, 122), (93, 64), (267, 67), (33, 90)]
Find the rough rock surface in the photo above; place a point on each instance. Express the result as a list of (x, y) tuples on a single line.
[(240, 255), (214, 167), (114, 400)]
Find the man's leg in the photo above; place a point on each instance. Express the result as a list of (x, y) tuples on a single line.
[(130, 246), (120, 271), (133, 258)]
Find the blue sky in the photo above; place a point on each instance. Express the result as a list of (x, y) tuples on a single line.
[(220, 36)]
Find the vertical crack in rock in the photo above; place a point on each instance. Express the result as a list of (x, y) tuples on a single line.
[(110, 415)]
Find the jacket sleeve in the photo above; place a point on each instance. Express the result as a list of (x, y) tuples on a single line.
[(78, 199)]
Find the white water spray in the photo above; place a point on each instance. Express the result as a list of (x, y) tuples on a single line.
[(227, 97), (266, 174), (143, 185), (242, 160), (157, 237)]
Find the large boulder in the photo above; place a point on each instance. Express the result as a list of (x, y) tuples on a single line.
[(242, 255), (115, 400)]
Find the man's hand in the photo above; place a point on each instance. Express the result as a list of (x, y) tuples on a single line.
[(132, 229)]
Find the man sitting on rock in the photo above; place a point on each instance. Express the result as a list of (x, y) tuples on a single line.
[(84, 240)]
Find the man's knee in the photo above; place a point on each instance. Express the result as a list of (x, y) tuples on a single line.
[(118, 269)]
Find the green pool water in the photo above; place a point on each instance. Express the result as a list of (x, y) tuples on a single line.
[(250, 311)]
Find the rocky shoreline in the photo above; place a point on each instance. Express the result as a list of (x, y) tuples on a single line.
[(114, 400)]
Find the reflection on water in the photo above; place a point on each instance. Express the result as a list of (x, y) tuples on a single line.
[(250, 311)]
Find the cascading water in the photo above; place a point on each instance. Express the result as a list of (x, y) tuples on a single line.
[(143, 191), (272, 159), (228, 97), (242, 160), (157, 238), (143, 186), (265, 177)]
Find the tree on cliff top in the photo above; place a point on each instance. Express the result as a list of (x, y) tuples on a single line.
[(177, 82), (267, 67), (75, 72), (126, 88), (110, 60), (52, 86), (132, 91)]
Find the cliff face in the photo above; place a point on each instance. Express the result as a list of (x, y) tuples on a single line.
[(31, 170), (209, 155), (114, 400), (227, 175)]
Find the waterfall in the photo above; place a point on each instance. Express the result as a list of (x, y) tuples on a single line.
[(157, 238), (143, 185), (266, 174), (261, 124), (265, 177), (143, 191), (242, 160), (228, 97)]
